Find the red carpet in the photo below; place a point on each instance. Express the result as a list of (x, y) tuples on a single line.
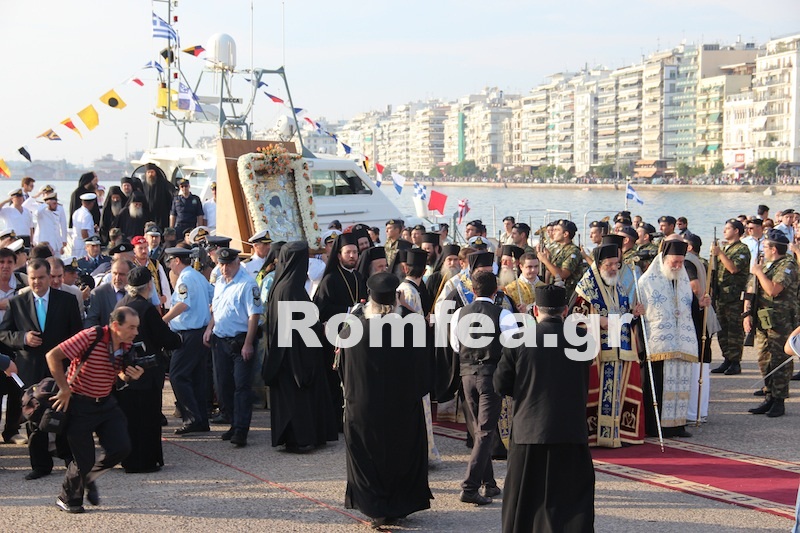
[(766, 485)]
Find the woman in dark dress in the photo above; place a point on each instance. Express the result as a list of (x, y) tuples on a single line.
[(141, 400)]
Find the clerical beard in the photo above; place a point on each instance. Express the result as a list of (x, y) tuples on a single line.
[(448, 273), (506, 276), (611, 281), (670, 273), (151, 179), (116, 207), (135, 212)]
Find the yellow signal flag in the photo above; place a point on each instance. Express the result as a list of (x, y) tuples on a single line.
[(112, 99), (89, 117), (163, 98), (4, 170)]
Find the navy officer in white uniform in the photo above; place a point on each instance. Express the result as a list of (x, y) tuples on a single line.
[(261, 242)]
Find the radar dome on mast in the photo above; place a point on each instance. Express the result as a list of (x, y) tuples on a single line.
[(221, 52)]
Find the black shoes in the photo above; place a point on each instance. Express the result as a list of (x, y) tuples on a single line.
[(227, 435), (760, 392), (474, 497), (35, 474), (777, 408), (682, 433), (734, 369), (490, 492), (796, 377), (721, 369), (91, 494), (220, 419), (239, 439), (192, 428), (764, 408), (72, 509)]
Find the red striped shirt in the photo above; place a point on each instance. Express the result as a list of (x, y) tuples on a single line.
[(98, 374)]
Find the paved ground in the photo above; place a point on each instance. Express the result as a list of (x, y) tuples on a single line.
[(208, 485)]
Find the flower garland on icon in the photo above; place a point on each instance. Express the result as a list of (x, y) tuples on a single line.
[(274, 167)]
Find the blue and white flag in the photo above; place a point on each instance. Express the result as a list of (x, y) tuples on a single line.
[(630, 194), (153, 64), (162, 29), (187, 99), (420, 191), (399, 181)]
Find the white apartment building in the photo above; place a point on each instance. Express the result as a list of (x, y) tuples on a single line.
[(776, 91), (427, 138), (737, 129), (658, 116), (711, 95)]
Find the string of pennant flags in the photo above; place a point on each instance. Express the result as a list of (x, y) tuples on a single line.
[(187, 100)]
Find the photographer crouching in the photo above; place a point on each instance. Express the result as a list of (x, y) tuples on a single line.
[(84, 393)]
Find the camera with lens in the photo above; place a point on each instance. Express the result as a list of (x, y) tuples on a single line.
[(137, 356)]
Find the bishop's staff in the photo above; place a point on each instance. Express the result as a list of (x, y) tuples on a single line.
[(712, 267), (649, 364)]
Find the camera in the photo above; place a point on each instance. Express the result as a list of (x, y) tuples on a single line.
[(137, 356)]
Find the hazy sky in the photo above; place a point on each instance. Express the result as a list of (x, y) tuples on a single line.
[(342, 57)]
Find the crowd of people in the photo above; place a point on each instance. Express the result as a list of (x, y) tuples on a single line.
[(150, 292)]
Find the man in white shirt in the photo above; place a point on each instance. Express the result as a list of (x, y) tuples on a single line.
[(261, 242), (83, 222), (754, 239), (210, 208), (787, 224), (15, 216), (51, 224)]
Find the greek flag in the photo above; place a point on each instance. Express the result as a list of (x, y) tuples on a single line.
[(420, 191), (162, 29), (630, 194), (399, 181), (153, 64)]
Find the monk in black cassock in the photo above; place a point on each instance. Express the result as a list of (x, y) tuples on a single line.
[(132, 218), (340, 289), (372, 261), (550, 481), (159, 194), (386, 443), (301, 411), (449, 260)]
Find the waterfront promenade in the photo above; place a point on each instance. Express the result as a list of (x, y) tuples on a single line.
[(207, 485)]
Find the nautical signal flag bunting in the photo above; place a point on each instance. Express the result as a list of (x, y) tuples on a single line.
[(112, 99), (89, 117), (50, 135)]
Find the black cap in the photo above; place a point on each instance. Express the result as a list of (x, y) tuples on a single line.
[(509, 218), (736, 224), (176, 251), (126, 179), (347, 238), (71, 266), (568, 226), (523, 227), (613, 238), (139, 276), (218, 241), (418, 227), (450, 249), (181, 183), (668, 219), (431, 238), (512, 251), (476, 222), (404, 244), (416, 258), (335, 224), (122, 247), (648, 228), (480, 259), (395, 221), (551, 296), (694, 240), (629, 232), (225, 256), (598, 224), (94, 239), (674, 247), (789, 211), (383, 288), (776, 236), (755, 220), (605, 251)]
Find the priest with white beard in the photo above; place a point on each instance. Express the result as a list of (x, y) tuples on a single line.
[(666, 294)]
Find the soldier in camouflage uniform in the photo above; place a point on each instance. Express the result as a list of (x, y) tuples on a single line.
[(776, 305), (733, 269), (564, 261), (646, 250)]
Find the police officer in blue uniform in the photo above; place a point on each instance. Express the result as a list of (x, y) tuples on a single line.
[(232, 334), (189, 316), (187, 209)]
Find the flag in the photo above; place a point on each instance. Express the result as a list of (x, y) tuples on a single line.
[(347, 149), (398, 179), (4, 170), (51, 135), (437, 202), (162, 29), (630, 194), (420, 191), (24, 152), (68, 123), (137, 81), (194, 50), (463, 209), (89, 117), (379, 168), (248, 80), (168, 55), (153, 64), (274, 98), (112, 99), (308, 120), (298, 110), (186, 98)]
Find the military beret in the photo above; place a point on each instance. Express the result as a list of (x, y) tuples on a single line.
[(736, 224), (629, 232), (568, 226), (395, 222), (509, 218), (523, 227), (776, 236), (668, 219), (648, 228)]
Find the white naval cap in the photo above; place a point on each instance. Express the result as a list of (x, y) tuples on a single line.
[(261, 236), (88, 196)]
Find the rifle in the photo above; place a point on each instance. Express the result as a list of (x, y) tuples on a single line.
[(540, 248), (711, 270), (749, 340)]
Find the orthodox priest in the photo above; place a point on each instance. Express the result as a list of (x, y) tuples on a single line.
[(666, 294), (387, 466), (614, 407), (372, 261), (340, 289), (446, 266), (549, 483), (302, 414), (159, 194)]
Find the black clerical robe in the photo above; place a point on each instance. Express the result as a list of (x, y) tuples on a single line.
[(385, 437)]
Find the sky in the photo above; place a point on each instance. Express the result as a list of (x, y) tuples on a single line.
[(341, 58)]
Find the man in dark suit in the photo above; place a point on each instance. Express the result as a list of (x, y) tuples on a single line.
[(104, 298), (35, 322)]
